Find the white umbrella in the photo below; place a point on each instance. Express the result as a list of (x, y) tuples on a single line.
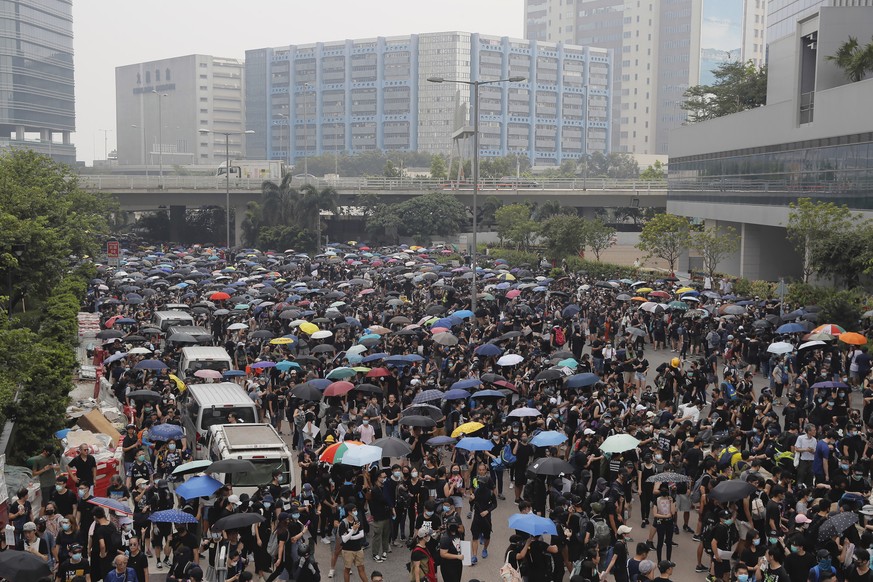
[(619, 443), (237, 326), (360, 455), (802, 346), (651, 306), (322, 334), (297, 322), (356, 349), (780, 348), (140, 351), (525, 411), (510, 360)]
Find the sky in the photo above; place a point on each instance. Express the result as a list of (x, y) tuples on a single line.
[(111, 33)]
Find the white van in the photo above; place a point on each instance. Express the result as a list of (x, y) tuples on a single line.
[(200, 333), (210, 404), (164, 319), (195, 358), (258, 443)]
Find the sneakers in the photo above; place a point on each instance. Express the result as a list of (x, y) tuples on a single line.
[(484, 554), (469, 515), (501, 497), (330, 574), (325, 541), (645, 523), (695, 537), (473, 561), (510, 484), (167, 563), (378, 559), (687, 529), (651, 545), (700, 569), (384, 555), (160, 565)]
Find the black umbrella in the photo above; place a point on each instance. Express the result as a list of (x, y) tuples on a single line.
[(491, 378), (734, 490), (668, 477), (369, 388), (228, 466), (435, 310), (323, 348), (422, 410), (236, 521), (147, 395), (182, 338), (393, 447), (306, 360), (110, 333), (837, 524), (307, 391), (420, 421), (548, 375), (262, 334), (18, 566), (550, 466)]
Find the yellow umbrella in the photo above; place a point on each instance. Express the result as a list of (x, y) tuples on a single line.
[(467, 428), (684, 290), (178, 381), (308, 327), (506, 277), (644, 290), (281, 341), (363, 369)]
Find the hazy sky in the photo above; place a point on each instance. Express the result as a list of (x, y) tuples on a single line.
[(110, 33)]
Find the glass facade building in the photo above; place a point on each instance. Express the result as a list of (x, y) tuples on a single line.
[(373, 94), (37, 101)]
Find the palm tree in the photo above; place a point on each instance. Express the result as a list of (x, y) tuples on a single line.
[(279, 202), (311, 202), (854, 59)]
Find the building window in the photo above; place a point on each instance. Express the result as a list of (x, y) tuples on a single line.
[(148, 77), (138, 79), (157, 75), (167, 75)]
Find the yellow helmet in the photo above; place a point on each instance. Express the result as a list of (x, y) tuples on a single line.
[(675, 362)]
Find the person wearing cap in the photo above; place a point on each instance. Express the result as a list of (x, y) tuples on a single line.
[(665, 568), (724, 536), (617, 565), (31, 542), (422, 565), (647, 570), (75, 565)]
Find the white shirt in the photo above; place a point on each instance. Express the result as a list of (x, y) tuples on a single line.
[(368, 433), (806, 442)]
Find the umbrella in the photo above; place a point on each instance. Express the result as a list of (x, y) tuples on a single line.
[(172, 516), (228, 466), (219, 296), (510, 360), (207, 373), (110, 333), (200, 486), (780, 348), (236, 521), (112, 504), (335, 452), (791, 328), (420, 421), (467, 428), (456, 394), (191, 467), (422, 410), (668, 477), (636, 332), (361, 455), (853, 338), (445, 339), (474, 444), (148, 395), (488, 394), (829, 385), (151, 365), (488, 350), (378, 373), (733, 490), (340, 388), (731, 309), (837, 524), (307, 391), (812, 344), (532, 524), (428, 396), (474, 382), (340, 373), (829, 328), (582, 380), (19, 566), (551, 466), (115, 357), (438, 441), (524, 411), (548, 438), (393, 447), (548, 375), (619, 443), (166, 432)]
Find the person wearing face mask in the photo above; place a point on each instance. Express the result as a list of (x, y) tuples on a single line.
[(741, 573), (858, 483), (64, 499), (798, 561), (75, 565), (66, 538), (497, 446), (169, 457), (523, 451), (383, 511), (754, 549), (724, 536), (367, 431), (351, 536), (140, 469)]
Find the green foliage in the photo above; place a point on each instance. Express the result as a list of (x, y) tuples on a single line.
[(495, 168), (665, 236), (594, 270), (514, 224), (751, 288), (563, 235), (438, 169), (599, 236), (390, 170), (715, 245), (616, 165), (369, 163), (423, 217), (843, 308), (488, 210), (801, 294), (737, 87), (545, 210), (854, 59), (654, 172)]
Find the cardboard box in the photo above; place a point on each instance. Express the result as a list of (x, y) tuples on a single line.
[(96, 422)]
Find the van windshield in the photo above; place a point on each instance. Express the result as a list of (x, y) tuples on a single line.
[(219, 415), (262, 474), (217, 365)]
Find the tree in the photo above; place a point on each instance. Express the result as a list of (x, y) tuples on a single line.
[(665, 236), (715, 245), (632, 213), (311, 201), (845, 254), (599, 236), (422, 217), (654, 172), (488, 209), (615, 165), (737, 87), (548, 209), (438, 169), (854, 59), (812, 226), (390, 170), (563, 235), (515, 225)]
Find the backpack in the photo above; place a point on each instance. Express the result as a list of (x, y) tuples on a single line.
[(506, 456), (560, 339), (508, 573), (816, 572), (602, 533), (430, 575), (610, 552), (697, 489), (756, 507), (730, 392), (727, 455), (273, 545)]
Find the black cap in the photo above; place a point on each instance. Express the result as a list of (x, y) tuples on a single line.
[(665, 565)]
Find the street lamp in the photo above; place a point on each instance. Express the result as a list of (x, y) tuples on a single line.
[(145, 158), (227, 135), (160, 135), (475, 85), (18, 252)]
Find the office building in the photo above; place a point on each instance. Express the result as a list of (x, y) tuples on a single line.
[(373, 94), (162, 105), (661, 48), (814, 139), (37, 108)]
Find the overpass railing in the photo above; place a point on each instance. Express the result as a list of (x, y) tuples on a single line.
[(110, 182)]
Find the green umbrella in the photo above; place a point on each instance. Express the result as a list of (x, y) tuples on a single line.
[(341, 374), (681, 306)]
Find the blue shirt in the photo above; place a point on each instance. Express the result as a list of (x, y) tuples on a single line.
[(822, 453), (128, 576)]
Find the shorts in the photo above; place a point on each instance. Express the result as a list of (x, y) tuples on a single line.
[(351, 558), (457, 500), (641, 378), (480, 528), (161, 532), (683, 502)]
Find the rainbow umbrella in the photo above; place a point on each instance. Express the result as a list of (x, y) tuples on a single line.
[(334, 453)]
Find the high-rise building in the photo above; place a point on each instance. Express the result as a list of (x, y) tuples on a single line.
[(374, 94), (37, 104), (162, 105), (661, 48)]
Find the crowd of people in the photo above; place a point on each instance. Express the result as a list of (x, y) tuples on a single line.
[(748, 440)]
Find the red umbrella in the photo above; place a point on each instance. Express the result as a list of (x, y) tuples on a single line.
[(378, 373), (507, 385), (662, 294), (339, 388), (219, 296)]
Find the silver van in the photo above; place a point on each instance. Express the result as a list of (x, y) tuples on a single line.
[(210, 404), (163, 320)]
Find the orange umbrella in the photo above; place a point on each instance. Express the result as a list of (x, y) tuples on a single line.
[(853, 338), (638, 299)]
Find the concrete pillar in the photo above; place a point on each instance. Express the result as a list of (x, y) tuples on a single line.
[(239, 215), (177, 223), (766, 253), (66, 135), (19, 133)]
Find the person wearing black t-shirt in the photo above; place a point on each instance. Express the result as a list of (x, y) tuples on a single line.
[(451, 557), (75, 565), (85, 464)]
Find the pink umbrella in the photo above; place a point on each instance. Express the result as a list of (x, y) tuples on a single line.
[(210, 374), (512, 293), (436, 330)]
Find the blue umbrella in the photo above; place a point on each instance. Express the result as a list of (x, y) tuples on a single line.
[(791, 328), (112, 504), (172, 516), (548, 438), (232, 373), (474, 444), (374, 357), (532, 524), (489, 350), (151, 365), (200, 486), (462, 313), (166, 432), (115, 357), (465, 384), (456, 394), (428, 396), (582, 380), (570, 311), (286, 365), (488, 394), (320, 383), (438, 441)]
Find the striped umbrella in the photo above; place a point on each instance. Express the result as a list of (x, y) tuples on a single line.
[(334, 453)]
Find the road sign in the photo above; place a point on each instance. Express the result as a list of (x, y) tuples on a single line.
[(113, 252)]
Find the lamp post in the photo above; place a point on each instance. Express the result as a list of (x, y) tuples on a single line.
[(17, 251), (227, 135), (145, 158), (160, 136), (475, 85)]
